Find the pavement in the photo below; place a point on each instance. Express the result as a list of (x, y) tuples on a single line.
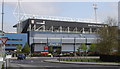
[(58, 57), (83, 63), (1, 62)]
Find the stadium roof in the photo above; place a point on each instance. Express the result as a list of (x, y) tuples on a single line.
[(66, 19), (57, 18)]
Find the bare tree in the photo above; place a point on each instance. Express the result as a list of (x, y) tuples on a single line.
[(108, 42)]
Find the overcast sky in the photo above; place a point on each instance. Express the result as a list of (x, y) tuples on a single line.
[(60, 9)]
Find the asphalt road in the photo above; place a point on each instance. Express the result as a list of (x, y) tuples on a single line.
[(38, 63)]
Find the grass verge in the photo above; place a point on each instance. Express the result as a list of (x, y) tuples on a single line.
[(83, 60)]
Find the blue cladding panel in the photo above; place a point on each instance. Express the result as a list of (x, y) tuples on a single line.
[(10, 47), (22, 39)]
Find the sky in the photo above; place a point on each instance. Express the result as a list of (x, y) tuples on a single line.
[(61, 9)]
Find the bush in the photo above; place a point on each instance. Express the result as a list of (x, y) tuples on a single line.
[(71, 54), (93, 54), (56, 55), (39, 55), (82, 60), (110, 58)]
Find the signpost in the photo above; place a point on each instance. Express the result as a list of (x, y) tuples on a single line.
[(3, 40), (45, 48)]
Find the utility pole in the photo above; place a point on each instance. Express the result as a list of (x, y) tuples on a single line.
[(2, 14), (4, 39), (30, 38), (85, 43), (3, 33), (95, 12)]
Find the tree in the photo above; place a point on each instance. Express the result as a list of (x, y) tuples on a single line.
[(118, 42), (19, 48), (26, 48), (50, 49), (107, 41), (78, 49), (84, 48), (58, 50), (92, 47)]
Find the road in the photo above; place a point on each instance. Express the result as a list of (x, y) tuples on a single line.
[(38, 63)]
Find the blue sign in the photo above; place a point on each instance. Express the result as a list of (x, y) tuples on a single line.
[(45, 50), (54, 44)]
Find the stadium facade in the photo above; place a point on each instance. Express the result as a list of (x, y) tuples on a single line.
[(64, 34), (14, 39)]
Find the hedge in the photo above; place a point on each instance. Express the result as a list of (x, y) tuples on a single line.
[(110, 58)]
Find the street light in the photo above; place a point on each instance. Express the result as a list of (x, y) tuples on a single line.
[(74, 45), (85, 43), (2, 14), (60, 50), (85, 40), (95, 8)]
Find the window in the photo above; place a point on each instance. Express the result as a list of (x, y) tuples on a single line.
[(12, 44), (15, 39)]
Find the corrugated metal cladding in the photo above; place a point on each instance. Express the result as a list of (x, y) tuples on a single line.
[(64, 40), (40, 39)]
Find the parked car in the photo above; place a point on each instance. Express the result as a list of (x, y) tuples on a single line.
[(21, 56)]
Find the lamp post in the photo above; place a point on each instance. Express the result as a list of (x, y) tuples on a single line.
[(47, 41), (85, 44), (41, 44), (60, 48), (85, 40), (95, 8), (74, 45), (30, 38), (2, 14)]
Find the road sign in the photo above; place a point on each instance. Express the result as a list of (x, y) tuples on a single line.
[(45, 48), (3, 39)]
